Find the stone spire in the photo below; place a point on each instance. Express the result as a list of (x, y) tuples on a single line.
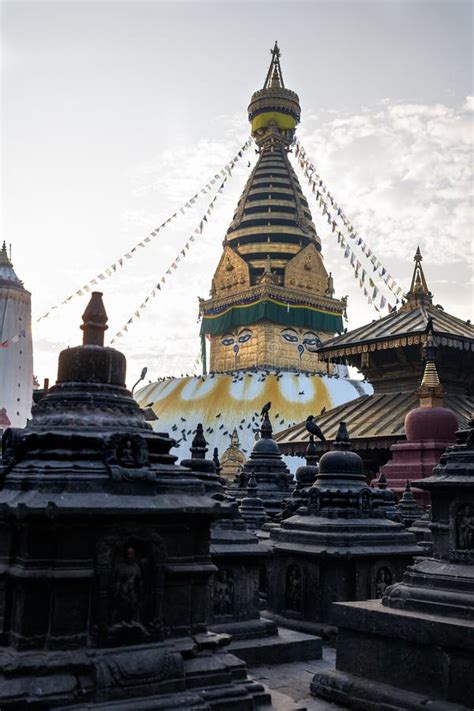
[(408, 508), (94, 321), (251, 506)]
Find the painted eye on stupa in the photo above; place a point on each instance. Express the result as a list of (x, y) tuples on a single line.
[(290, 335), (311, 340), (245, 336), (228, 339)]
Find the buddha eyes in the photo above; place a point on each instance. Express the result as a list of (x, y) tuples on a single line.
[(245, 336), (290, 336)]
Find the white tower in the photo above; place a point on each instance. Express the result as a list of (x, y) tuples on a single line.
[(16, 348)]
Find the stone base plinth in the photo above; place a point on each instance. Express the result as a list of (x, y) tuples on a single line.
[(320, 629), (390, 659), (284, 647), (186, 673)]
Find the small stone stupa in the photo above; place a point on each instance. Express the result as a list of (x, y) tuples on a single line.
[(251, 507), (408, 508), (341, 547), (233, 603), (105, 554), (305, 477), (414, 648), (274, 480)]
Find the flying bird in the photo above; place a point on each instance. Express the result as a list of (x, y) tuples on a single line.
[(266, 408), (313, 428)]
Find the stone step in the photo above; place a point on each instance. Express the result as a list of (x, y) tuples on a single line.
[(284, 647)]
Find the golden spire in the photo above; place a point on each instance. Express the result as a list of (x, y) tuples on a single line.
[(274, 78), (418, 292), (431, 391), (274, 111)]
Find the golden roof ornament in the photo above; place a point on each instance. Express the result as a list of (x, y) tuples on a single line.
[(274, 111), (418, 292), (430, 392)]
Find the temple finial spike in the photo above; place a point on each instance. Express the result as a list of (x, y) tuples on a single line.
[(418, 292), (94, 321)]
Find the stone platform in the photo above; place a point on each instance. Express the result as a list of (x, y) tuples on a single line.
[(284, 647)]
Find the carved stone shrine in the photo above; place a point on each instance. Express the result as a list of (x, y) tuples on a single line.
[(414, 648), (104, 554), (339, 547)]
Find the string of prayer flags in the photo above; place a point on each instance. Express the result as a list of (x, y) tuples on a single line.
[(174, 264), (359, 272), (315, 180), (225, 172)]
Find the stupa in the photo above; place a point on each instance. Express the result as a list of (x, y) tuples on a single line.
[(233, 459), (414, 648), (341, 547), (16, 348), (272, 303), (273, 478), (430, 428), (408, 509), (105, 554)]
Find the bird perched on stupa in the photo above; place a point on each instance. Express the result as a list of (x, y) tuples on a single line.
[(313, 428), (266, 409)]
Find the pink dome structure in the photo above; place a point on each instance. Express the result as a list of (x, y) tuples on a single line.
[(429, 429)]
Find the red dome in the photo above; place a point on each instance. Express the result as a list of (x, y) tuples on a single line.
[(434, 423)]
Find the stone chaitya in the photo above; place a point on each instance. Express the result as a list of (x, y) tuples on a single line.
[(305, 477), (105, 560), (273, 477), (339, 547), (233, 605), (414, 648)]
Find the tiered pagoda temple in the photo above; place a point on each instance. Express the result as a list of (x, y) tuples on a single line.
[(389, 352), (271, 303)]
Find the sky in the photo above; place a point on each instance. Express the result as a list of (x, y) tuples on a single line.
[(115, 113)]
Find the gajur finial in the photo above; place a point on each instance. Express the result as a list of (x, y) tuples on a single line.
[(94, 321)]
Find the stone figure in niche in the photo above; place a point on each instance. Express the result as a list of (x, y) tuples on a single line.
[(382, 580), (223, 593), (465, 527), (293, 588), (127, 587), (126, 454), (365, 501)]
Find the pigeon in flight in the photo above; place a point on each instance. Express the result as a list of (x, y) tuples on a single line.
[(313, 428)]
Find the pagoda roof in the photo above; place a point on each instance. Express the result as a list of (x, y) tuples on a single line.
[(374, 421), (403, 328), (406, 326)]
